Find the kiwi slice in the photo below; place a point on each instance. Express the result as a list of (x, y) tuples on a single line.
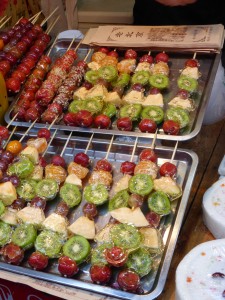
[(27, 189), (24, 236), (122, 81), (91, 76), (97, 254), (187, 83), (22, 168), (77, 248), (76, 105), (141, 77), (141, 184), (154, 113), (131, 111), (71, 194), (140, 261), (125, 236), (5, 233), (2, 208), (109, 110), (159, 203), (49, 243), (109, 73), (159, 81), (94, 105), (178, 115), (96, 194), (119, 200), (47, 189)]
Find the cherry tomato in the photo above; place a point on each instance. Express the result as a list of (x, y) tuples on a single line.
[(14, 147), (44, 133), (58, 160), (104, 50), (56, 108), (24, 68), (127, 167), (12, 254), (83, 118), (153, 219), (5, 66), (147, 58), (100, 274), (62, 209), (90, 210), (115, 256), (192, 63), (38, 202), (42, 162), (32, 114), (148, 154), (124, 124), (147, 125), (13, 85), (4, 133), (38, 261), (113, 53), (19, 74), (162, 57), (171, 127), (130, 54), (82, 64), (19, 112), (102, 122), (39, 73), (103, 164), (128, 280), (82, 159), (67, 266), (168, 169)]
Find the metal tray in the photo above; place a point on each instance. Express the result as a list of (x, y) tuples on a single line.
[(208, 67), (170, 225)]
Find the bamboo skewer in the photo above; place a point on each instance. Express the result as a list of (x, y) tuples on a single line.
[(49, 143), (134, 149), (2, 19), (154, 139), (109, 148), (32, 124), (89, 143), (9, 138), (174, 152), (67, 141), (52, 25), (5, 22), (46, 19), (36, 17), (12, 120)]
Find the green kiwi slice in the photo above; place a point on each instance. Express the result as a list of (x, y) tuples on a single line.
[(141, 184), (119, 200), (122, 81), (187, 83), (2, 208), (109, 73), (94, 105), (91, 76), (97, 254), (109, 110), (140, 261), (125, 236), (178, 115), (22, 168), (24, 236), (47, 189), (159, 203), (71, 194), (131, 111), (96, 194), (5, 233), (154, 113), (141, 77), (49, 243), (77, 248), (159, 81), (76, 105), (27, 189)]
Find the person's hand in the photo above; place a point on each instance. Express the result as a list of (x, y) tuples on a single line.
[(175, 2)]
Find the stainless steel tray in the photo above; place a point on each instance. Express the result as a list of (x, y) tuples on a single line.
[(170, 225), (208, 67)]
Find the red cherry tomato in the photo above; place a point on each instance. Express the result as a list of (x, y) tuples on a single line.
[(127, 167), (116, 256), (192, 63), (58, 160), (70, 119), (100, 274), (19, 74), (103, 164), (4, 133), (168, 169), (42, 162), (113, 53), (38, 261), (104, 50), (102, 121), (162, 57), (171, 127), (148, 154), (32, 114), (124, 124), (13, 85), (12, 254), (147, 125), (90, 210), (67, 266), (130, 54), (128, 280), (44, 133), (84, 118), (82, 159), (82, 64)]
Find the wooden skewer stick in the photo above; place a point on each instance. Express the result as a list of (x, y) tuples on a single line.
[(174, 152), (36, 17), (71, 43), (109, 148), (89, 51), (32, 124), (19, 20), (5, 22), (2, 19), (89, 143), (67, 141), (53, 44), (52, 25), (12, 120), (154, 139), (49, 143), (194, 56), (53, 122), (9, 138), (46, 19), (134, 149)]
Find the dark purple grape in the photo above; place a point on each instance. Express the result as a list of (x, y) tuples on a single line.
[(3, 166), (7, 156), (38, 202), (18, 204), (13, 178)]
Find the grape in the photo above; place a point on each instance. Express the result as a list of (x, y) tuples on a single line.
[(104, 165), (127, 167), (82, 159), (12, 254), (38, 261), (102, 122), (18, 204), (62, 209), (38, 202), (44, 133), (128, 280), (67, 267), (42, 162), (13, 179), (183, 94), (130, 54), (84, 118), (147, 125), (171, 127), (148, 154), (70, 119), (147, 58), (135, 200), (168, 169), (153, 219), (124, 124), (7, 156), (90, 210), (137, 87), (153, 91), (162, 57), (100, 274), (58, 160), (3, 166)]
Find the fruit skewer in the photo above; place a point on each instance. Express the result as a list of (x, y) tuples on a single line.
[(7, 20)]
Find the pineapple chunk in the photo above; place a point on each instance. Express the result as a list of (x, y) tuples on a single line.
[(122, 184), (56, 223), (80, 93), (156, 99), (74, 179), (37, 174), (113, 97), (7, 193), (83, 226), (168, 186), (130, 216), (31, 153), (9, 216), (191, 72), (134, 97), (98, 91), (151, 238), (31, 215), (104, 234)]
